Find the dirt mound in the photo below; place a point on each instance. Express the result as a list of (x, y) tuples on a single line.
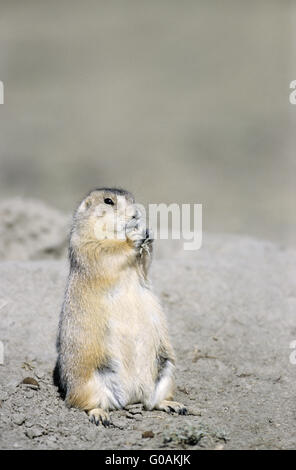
[(29, 229)]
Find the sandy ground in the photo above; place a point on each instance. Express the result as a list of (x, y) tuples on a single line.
[(231, 312)]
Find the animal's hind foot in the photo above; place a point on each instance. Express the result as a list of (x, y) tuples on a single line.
[(99, 416), (171, 407)]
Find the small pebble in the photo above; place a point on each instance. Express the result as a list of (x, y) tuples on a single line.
[(136, 416), (29, 424), (36, 431), (134, 405), (194, 412), (147, 434), (30, 382), (19, 419)]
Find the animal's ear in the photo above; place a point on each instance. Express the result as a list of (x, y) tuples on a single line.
[(86, 204)]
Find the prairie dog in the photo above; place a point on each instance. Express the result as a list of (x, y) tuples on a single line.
[(113, 344)]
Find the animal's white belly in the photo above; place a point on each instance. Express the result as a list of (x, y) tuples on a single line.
[(132, 342)]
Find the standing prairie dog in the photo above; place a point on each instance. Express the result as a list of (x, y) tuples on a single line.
[(113, 344)]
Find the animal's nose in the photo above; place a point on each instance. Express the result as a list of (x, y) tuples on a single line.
[(133, 212), (137, 213)]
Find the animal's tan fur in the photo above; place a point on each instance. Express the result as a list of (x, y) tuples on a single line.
[(113, 342)]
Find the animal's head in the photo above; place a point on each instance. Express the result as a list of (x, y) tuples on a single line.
[(105, 214)]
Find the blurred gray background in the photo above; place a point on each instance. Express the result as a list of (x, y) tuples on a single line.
[(178, 101)]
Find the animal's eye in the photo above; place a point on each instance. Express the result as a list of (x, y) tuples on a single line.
[(108, 201)]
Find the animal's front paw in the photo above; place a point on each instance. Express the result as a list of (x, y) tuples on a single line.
[(172, 407), (99, 416), (138, 233)]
